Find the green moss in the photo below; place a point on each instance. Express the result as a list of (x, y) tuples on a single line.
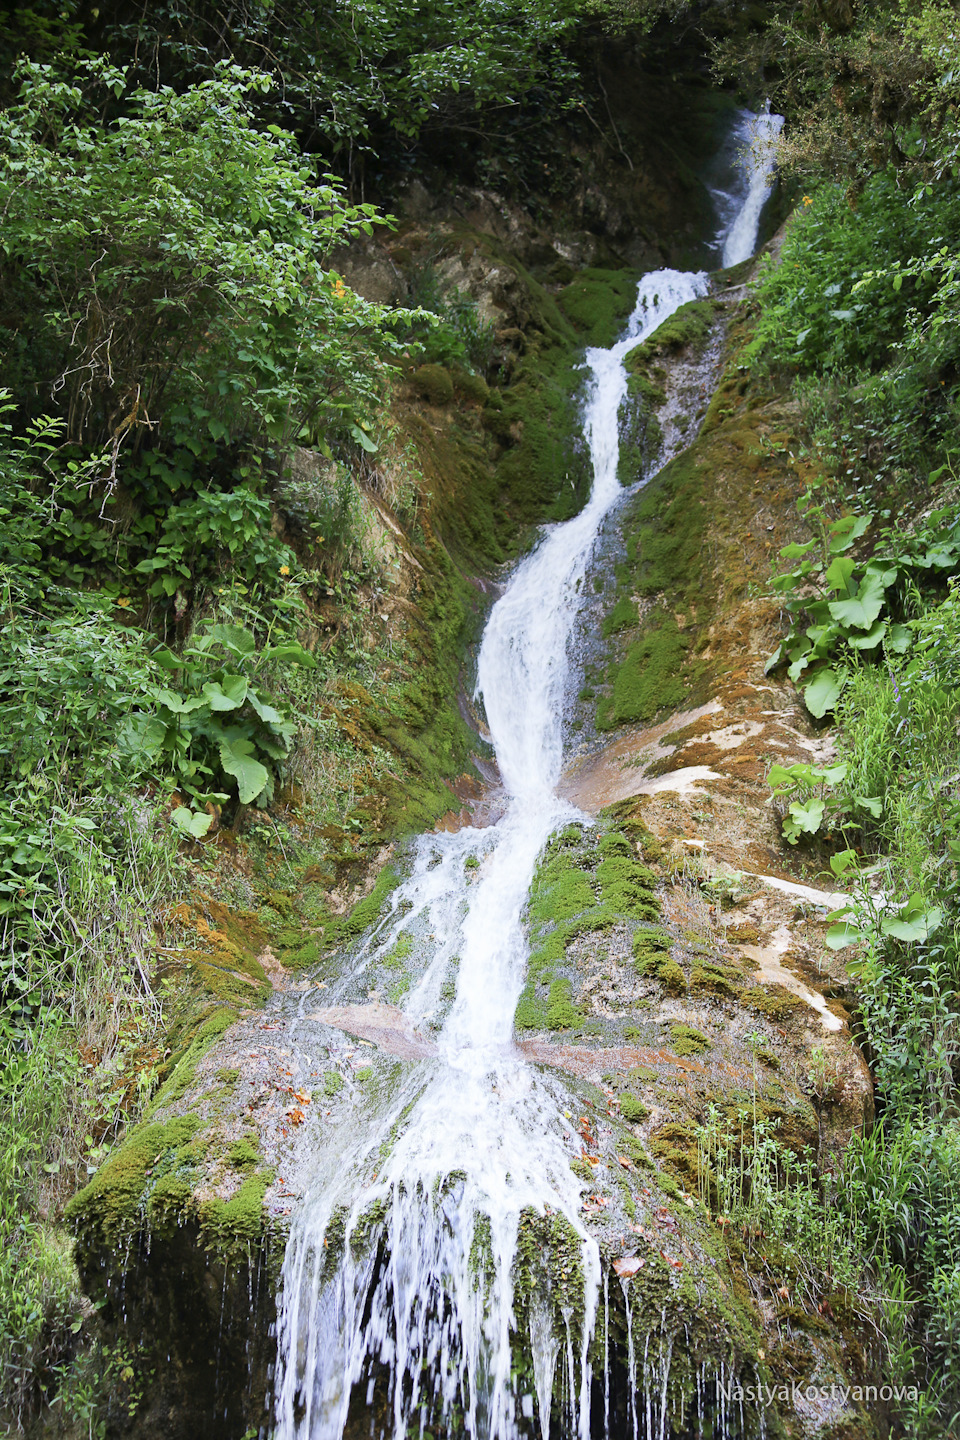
[(598, 302), (228, 1077), (664, 529), (469, 387), (562, 1014), (713, 979), (687, 1040), (689, 327), (650, 677), (627, 885), (228, 1226), (560, 890), (209, 1030), (673, 979), (775, 1003), (632, 1107), (531, 1011), (434, 383), (114, 1197), (332, 1083), (623, 616), (244, 1153), (676, 1147)]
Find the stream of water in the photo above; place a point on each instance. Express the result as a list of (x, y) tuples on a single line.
[(416, 1281)]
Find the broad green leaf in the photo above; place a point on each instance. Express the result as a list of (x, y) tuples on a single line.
[(898, 639), (872, 638), (844, 933), (823, 692), (266, 712), (914, 921), (871, 803), (194, 823), (238, 760), (834, 774), (865, 606), (228, 694), (796, 669), (843, 861), (847, 530), (235, 638), (807, 815), (796, 552), (363, 440), (839, 574), (178, 705), (291, 650), (773, 660), (780, 776)]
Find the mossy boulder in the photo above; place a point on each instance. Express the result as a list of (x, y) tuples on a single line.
[(434, 383)]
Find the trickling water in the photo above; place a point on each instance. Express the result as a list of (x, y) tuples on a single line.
[(416, 1275)]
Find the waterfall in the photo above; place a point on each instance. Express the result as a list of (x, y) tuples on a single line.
[(755, 138), (400, 1260)]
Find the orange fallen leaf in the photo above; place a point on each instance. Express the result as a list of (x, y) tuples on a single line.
[(625, 1162), (295, 1116), (628, 1265), (590, 1159)]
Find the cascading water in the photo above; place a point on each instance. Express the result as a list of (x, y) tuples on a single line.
[(401, 1259), (753, 139)]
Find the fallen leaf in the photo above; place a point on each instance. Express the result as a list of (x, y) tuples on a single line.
[(590, 1159), (628, 1265), (295, 1116), (625, 1162)]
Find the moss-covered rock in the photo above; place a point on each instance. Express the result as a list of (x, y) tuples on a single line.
[(434, 383)]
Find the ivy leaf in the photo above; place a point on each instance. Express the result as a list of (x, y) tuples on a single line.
[(238, 760), (823, 692)]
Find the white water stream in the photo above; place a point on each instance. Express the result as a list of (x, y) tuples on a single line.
[(477, 1133)]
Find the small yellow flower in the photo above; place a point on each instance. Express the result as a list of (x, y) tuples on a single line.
[(807, 200), (122, 600), (284, 569)]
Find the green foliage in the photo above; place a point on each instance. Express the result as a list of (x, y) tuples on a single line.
[(844, 611), (357, 77), (168, 292), (219, 729)]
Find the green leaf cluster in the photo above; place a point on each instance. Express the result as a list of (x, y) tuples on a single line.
[(842, 611)]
